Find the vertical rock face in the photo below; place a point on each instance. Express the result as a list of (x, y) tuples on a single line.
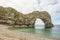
[(10, 16)]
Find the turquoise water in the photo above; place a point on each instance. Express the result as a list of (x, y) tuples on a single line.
[(40, 30)]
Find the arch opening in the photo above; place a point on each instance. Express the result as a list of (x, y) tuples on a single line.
[(39, 24)]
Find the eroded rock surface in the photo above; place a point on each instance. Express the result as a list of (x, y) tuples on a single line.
[(10, 16)]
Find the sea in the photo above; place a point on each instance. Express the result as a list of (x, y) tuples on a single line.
[(40, 30)]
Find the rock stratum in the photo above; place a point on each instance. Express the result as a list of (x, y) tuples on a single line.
[(10, 16)]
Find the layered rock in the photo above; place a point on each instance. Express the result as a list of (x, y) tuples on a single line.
[(10, 16)]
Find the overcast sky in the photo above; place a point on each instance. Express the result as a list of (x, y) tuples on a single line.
[(26, 6)]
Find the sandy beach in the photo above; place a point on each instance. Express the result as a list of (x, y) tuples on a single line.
[(6, 34)]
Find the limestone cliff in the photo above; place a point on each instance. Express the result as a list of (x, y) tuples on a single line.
[(10, 16)]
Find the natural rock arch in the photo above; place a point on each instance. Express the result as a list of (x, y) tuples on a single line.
[(43, 15), (11, 16)]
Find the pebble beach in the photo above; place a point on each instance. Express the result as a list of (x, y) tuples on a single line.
[(6, 34)]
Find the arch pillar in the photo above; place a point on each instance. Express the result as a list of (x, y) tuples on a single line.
[(47, 23)]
